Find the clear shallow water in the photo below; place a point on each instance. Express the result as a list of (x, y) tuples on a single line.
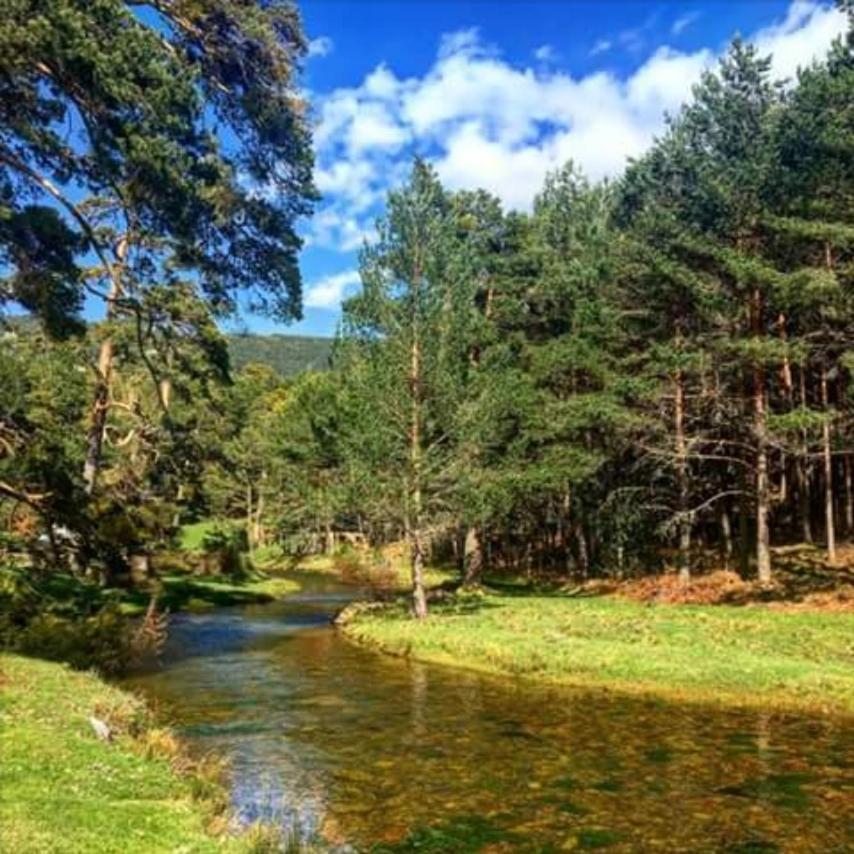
[(370, 751)]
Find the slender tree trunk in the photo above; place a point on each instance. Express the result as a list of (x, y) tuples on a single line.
[(101, 402), (830, 533), (788, 391), (849, 495), (566, 526), (726, 535), (583, 555), (804, 503), (763, 539), (472, 556), (416, 547), (682, 478), (249, 519), (259, 512), (744, 546)]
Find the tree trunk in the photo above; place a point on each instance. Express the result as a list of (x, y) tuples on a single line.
[(259, 510), (682, 478), (419, 597), (744, 546), (249, 519), (803, 474), (472, 557), (101, 402), (830, 534), (763, 539), (583, 555), (849, 495), (726, 536)]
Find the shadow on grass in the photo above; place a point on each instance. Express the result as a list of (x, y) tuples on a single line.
[(195, 593)]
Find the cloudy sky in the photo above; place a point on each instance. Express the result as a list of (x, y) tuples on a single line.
[(496, 93)]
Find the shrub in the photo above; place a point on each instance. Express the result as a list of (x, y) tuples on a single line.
[(69, 621), (225, 551), (373, 572)]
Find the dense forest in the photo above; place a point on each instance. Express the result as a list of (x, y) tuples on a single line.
[(654, 371)]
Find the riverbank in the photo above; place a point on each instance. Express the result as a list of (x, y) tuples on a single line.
[(185, 591), (740, 656), (62, 789)]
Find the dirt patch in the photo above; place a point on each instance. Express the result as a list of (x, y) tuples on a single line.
[(800, 583), (840, 600), (712, 588)]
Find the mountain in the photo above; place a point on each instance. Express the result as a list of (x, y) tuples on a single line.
[(286, 354)]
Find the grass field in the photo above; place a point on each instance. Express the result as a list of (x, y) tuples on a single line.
[(63, 790), (734, 655)]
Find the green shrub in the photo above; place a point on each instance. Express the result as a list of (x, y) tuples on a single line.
[(225, 548), (373, 571), (62, 622)]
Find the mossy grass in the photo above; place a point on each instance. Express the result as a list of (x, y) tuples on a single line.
[(64, 790), (434, 576), (742, 656), (183, 591)]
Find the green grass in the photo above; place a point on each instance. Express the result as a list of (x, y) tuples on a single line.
[(734, 655), (191, 537), (434, 576), (63, 790), (183, 591)]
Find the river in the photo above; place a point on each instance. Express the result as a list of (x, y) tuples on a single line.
[(369, 752)]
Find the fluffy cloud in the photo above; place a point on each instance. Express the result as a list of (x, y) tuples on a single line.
[(321, 46), (683, 22), (802, 36), (546, 53), (329, 291), (484, 121)]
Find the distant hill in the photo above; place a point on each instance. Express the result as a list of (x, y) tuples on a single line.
[(286, 354)]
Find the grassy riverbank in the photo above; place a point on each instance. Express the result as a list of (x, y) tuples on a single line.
[(183, 591), (399, 573), (63, 790), (745, 656)]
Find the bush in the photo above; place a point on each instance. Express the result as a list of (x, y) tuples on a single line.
[(71, 622), (225, 551), (373, 572), (101, 641)]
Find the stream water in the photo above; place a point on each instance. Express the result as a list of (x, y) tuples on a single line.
[(369, 752)]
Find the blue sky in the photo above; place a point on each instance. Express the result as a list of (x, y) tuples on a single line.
[(497, 93)]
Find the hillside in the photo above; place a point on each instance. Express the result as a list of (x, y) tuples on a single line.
[(287, 354)]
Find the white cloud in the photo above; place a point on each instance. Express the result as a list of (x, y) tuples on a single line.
[(321, 46), (601, 46), (546, 53), (329, 291), (802, 36), (486, 122), (683, 22)]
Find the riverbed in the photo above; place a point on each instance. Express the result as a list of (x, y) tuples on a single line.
[(367, 752)]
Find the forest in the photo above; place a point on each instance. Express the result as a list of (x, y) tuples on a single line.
[(642, 380), (648, 372)]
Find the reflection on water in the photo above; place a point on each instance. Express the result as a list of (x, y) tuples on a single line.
[(370, 751)]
